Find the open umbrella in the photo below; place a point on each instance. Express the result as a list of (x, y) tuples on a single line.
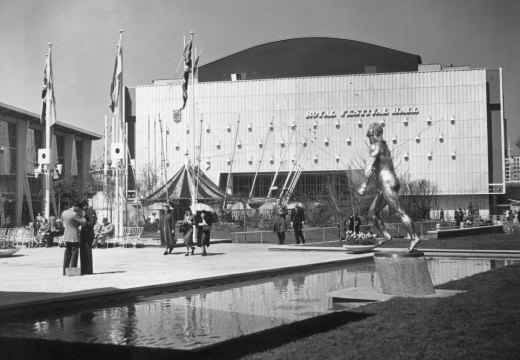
[(239, 206), (201, 207), (266, 208), (156, 206)]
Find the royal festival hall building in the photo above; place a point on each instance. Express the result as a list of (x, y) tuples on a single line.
[(252, 112)]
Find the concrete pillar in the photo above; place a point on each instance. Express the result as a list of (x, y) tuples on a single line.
[(402, 273), (86, 149), (68, 140), (21, 168)]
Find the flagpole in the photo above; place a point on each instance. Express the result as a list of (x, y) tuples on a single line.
[(194, 190), (271, 125), (193, 155), (199, 155), (163, 161), (118, 136), (105, 147), (48, 110), (122, 133), (271, 188), (231, 165)]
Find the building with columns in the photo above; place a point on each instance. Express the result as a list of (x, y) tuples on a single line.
[(21, 135)]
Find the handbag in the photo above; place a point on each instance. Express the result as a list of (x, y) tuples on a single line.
[(73, 271)]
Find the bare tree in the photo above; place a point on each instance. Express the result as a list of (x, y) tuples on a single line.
[(67, 191), (147, 180), (419, 196)]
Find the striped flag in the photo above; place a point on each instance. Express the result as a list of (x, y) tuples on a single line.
[(117, 81), (196, 65), (48, 100), (187, 69)]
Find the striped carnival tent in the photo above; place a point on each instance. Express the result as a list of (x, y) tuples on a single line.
[(179, 186)]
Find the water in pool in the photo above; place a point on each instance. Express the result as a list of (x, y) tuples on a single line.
[(207, 316)]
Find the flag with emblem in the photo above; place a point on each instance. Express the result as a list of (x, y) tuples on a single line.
[(117, 81), (187, 70), (48, 112)]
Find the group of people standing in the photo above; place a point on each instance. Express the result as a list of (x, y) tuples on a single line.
[(79, 221), (203, 222), (81, 233), (297, 219)]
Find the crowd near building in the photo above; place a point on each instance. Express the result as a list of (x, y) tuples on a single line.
[(21, 189), (250, 114)]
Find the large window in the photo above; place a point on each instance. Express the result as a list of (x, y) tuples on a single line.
[(309, 185), (60, 147), (79, 158)]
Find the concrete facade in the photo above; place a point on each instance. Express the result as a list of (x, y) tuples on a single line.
[(442, 124)]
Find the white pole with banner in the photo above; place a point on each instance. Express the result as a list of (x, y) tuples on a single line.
[(50, 117)]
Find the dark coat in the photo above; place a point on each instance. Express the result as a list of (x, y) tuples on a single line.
[(167, 227), (203, 231), (279, 224), (87, 231), (354, 224), (298, 216)]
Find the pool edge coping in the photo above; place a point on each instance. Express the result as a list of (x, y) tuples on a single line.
[(100, 295)]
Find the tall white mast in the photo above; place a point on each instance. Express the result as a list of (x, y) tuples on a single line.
[(264, 146), (193, 154), (48, 113), (119, 136)]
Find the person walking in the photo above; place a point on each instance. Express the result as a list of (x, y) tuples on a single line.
[(460, 218), (72, 220), (354, 223), (187, 232), (203, 231), (280, 226), (86, 238), (297, 222), (441, 217), (167, 228)]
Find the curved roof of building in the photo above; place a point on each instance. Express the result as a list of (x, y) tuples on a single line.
[(309, 56)]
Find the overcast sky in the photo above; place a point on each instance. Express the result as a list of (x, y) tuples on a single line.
[(478, 33)]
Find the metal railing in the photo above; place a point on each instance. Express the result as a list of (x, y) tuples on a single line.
[(331, 233), (270, 237)]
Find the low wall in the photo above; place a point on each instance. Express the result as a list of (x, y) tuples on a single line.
[(477, 230)]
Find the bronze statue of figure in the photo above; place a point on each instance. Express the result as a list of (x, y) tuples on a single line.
[(380, 162)]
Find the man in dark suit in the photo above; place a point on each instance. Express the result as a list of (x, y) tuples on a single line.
[(297, 222), (354, 224), (87, 238)]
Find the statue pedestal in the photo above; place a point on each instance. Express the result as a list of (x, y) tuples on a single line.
[(402, 273)]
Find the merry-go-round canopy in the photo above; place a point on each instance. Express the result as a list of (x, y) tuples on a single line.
[(179, 187)]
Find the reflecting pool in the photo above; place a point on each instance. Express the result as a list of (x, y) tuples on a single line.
[(188, 320)]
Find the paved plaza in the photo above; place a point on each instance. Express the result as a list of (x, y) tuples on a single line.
[(33, 276)]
